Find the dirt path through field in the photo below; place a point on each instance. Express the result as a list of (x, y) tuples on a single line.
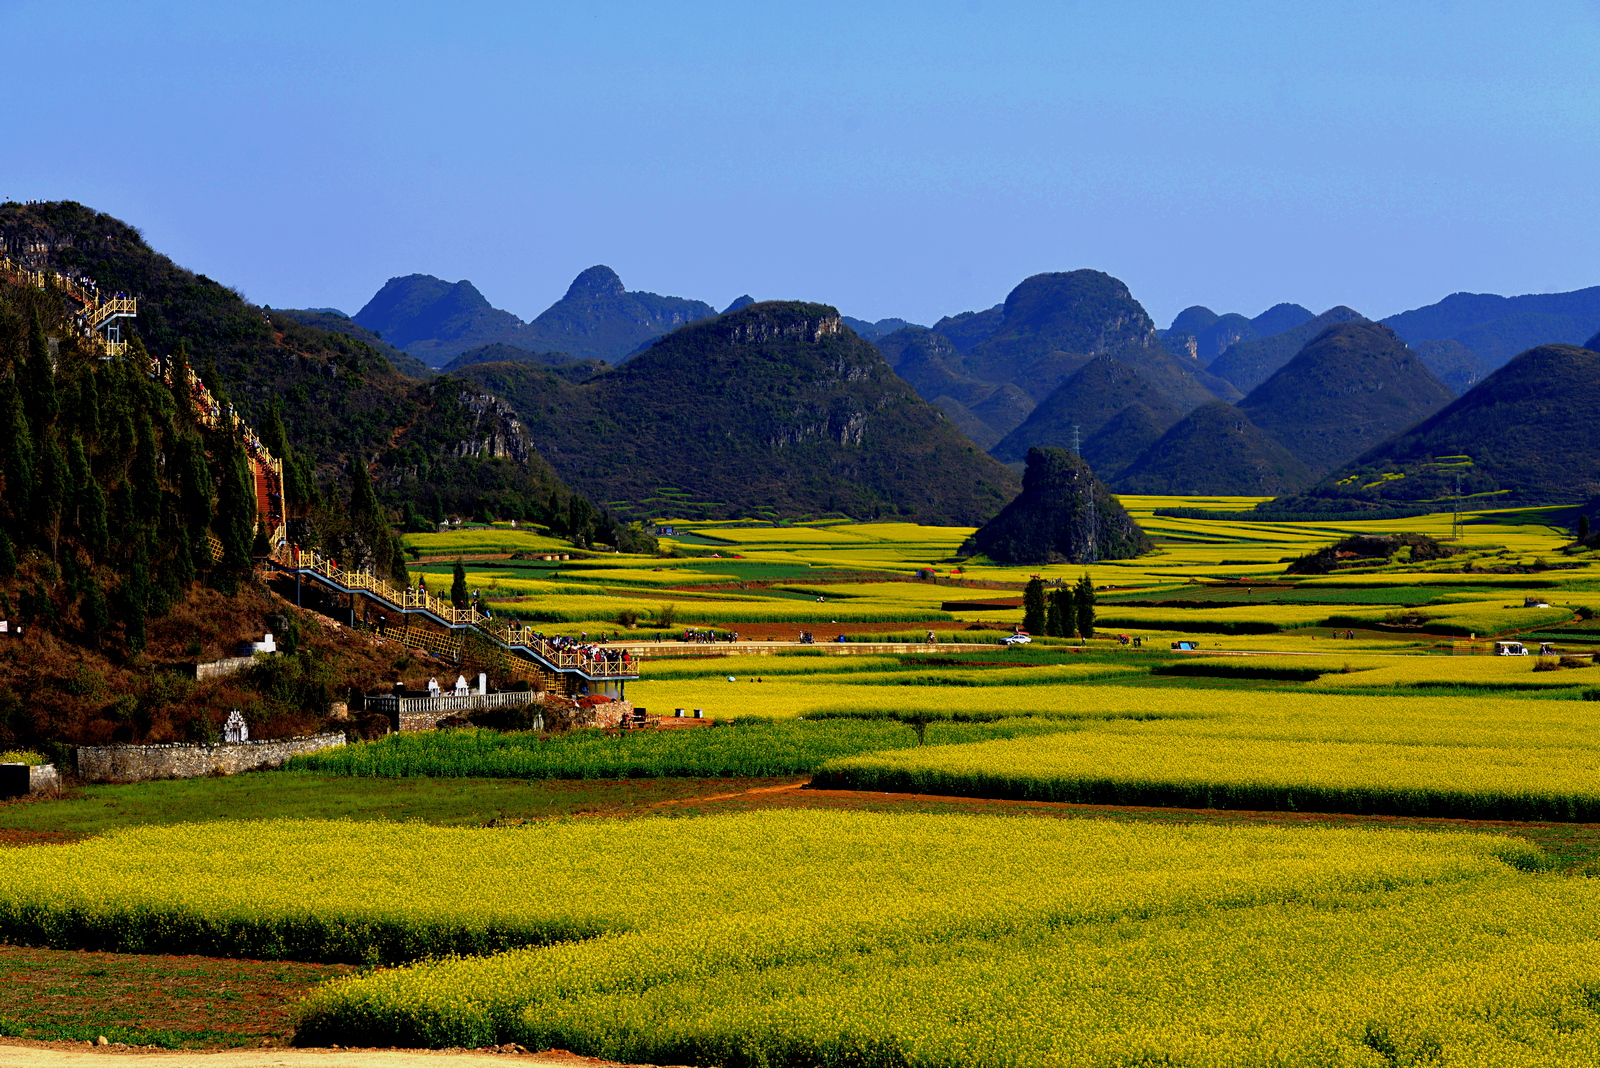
[(16, 1054)]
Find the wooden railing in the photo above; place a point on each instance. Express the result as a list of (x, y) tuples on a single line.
[(509, 637)]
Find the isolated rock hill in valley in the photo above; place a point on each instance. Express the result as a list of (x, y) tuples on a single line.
[(597, 319), (1495, 328), (776, 406), (1529, 428), (1247, 364), (1062, 515), (1215, 450), (1086, 401), (1353, 386)]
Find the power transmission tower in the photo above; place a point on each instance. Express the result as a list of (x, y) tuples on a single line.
[(1076, 451)]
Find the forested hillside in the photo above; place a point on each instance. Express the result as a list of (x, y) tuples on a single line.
[(440, 447)]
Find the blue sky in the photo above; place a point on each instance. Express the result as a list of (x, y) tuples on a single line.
[(893, 159)]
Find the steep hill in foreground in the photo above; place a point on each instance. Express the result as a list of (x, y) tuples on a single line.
[(1062, 515), (1353, 386), (336, 322), (597, 319), (1526, 434), (336, 396), (776, 409), (1082, 405), (1214, 450), (1247, 364)]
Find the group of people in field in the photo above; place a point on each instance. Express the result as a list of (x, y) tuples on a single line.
[(707, 637)]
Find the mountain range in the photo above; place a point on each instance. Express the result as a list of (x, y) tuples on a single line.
[(597, 319)]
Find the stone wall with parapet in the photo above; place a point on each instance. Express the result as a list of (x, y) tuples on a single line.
[(139, 763)]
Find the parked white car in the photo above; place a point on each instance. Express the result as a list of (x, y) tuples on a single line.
[(1020, 638)]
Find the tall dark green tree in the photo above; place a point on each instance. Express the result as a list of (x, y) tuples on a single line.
[(53, 494), (39, 379), (1065, 604), (17, 455), (235, 521), (1083, 598), (1583, 527), (8, 556), (146, 474), (458, 585), (133, 596), (1033, 606), (1054, 624)]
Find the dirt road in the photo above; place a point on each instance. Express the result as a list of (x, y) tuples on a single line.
[(19, 1054)]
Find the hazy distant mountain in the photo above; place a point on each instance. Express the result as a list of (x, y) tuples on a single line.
[(1527, 432), (1452, 363), (1193, 319), (1226, 331), (1086, 402), (1281, 317), (1354, 385), (873, 331), (969, 328), (1215, 450), (1495, 328), (1022, 351), (433, 319), (596, 319), (1249, 363), (777, 406)]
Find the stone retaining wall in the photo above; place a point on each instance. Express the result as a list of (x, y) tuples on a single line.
[(139, 763), (216, 669)]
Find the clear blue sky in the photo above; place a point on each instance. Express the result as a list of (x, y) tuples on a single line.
[(893, 159)]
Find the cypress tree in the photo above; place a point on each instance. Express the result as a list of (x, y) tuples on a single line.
[(438, 509), (195, 487), (1583, 527), (17, 454), (398, 573), (51, 498), (88, 406), (133, 596), (95, 611), (96, 531), (1069, 611), (146, 476), (1054, 624), (181, 387), (1033, 606), (8, 556), (79, 480), (235, 520), (458, 585), (1084, 598), (40, 379)]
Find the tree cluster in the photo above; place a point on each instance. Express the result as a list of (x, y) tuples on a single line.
[(1062, 612)]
